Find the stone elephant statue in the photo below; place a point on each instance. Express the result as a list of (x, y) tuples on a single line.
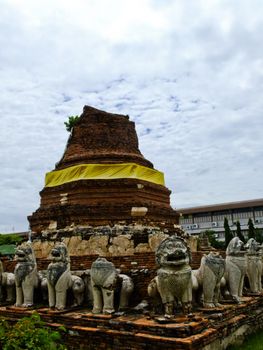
[(7, 286), (106, 281)]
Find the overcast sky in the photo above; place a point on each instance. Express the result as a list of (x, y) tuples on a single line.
[(189, 73)]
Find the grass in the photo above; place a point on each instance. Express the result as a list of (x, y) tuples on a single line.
[(252, 342)]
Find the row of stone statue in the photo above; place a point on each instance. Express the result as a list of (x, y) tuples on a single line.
[(176, 284), (217, 278), (101, 282)]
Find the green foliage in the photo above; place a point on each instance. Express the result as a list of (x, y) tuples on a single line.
[(239, 232), (251, 229), (228, 233), (71, 122), (212, 239), (252, 342), (10, 238), (29, 333), (259, 235)]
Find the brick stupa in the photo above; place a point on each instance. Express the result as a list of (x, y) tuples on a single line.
[(119, 186)]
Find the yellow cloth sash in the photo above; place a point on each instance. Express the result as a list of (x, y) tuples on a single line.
[(103, 172)]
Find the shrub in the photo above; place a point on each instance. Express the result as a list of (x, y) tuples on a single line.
[(29, 333)]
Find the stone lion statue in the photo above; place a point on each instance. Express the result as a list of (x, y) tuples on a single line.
[(236, 268), (173, 282), (106, 282), (58, 277), (26, 278), (254, 265), (78, 288), (7, 285), (206, 280)]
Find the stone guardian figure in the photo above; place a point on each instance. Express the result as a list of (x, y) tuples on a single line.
[(59, 278), (207, 279), (26, 278), (254, 265), (173, 282), (236, 268), (107, 286), (7, 285)]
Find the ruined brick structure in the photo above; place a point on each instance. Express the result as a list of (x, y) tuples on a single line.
[(97, 139)]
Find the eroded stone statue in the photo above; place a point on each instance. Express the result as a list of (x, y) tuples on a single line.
[(26, 278), (7, 285), (78, 288), (206, 280), (254, 265), (173, 282), (235, 268), (59, 277), (106, 282)]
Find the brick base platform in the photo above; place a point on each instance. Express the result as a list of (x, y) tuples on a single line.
[(207, 329)]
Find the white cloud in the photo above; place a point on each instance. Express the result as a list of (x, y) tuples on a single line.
[(190, 75)]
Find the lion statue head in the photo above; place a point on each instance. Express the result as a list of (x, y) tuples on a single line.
[(25, 253), (235, 247), (59, 253), (173, 251), (252, 246)]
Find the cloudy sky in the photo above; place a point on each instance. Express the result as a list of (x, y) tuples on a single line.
[(189, 73)]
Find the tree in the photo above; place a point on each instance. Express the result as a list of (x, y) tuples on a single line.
[(259, 235), (228, 233), (251, 229), (211, 235), (71, 122), (239, 232), (10, 238)]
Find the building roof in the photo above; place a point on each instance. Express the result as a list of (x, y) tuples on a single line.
[(222, 206)]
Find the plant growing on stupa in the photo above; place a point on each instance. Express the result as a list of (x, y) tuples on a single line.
[(71, 122)]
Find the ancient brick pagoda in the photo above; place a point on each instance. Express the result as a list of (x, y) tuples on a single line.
[(103, 180)]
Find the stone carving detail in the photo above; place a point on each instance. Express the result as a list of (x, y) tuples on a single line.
[(59, 278), (26, 278), (235, 268), (254, 265), (7, 285), (105, 282), (173, 282), (206, 280)]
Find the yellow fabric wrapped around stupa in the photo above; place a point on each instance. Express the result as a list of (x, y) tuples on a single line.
[(103, 172)]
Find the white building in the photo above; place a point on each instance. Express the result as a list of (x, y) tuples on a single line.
[(211, 217)]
